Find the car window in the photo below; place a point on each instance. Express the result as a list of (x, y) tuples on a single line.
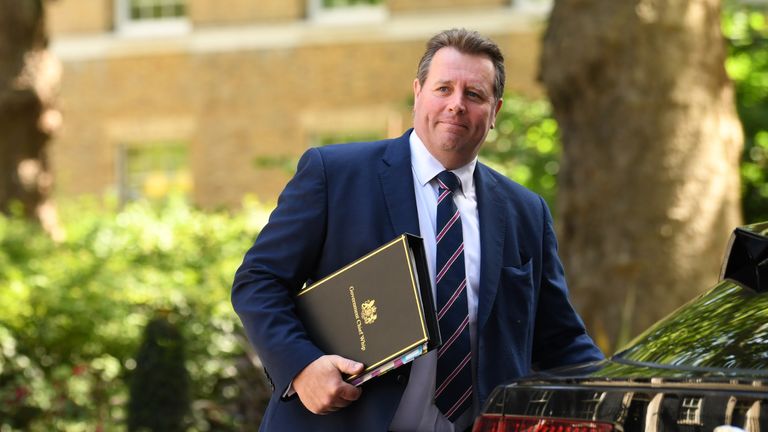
[(727, 327)]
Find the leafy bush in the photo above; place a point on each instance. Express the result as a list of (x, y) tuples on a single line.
[(746, 29), (525, 145), (74, 311)]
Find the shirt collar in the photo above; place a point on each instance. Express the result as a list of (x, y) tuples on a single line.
[(426, 167)]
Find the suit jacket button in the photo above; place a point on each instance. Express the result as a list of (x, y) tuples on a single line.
[(400, 378)]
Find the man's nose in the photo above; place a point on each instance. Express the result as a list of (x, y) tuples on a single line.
[(456, 104)]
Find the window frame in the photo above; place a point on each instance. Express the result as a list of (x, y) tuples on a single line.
[(533, 6), (354, 14), (125, 175), (690, 411), (126, 26)]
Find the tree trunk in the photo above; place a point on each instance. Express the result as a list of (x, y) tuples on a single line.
[(29, 76), (648, 186)]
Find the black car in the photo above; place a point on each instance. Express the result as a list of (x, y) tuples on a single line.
[(705, 366)]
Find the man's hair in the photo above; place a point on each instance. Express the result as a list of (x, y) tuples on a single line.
[(466, 42)]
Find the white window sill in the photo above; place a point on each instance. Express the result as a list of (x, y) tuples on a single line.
[(534, 8), (154, 28), (349, 15)]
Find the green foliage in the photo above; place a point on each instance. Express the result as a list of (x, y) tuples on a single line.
[(746, 29), (287, 163), (525, 145), (160, 384), (73, 313)]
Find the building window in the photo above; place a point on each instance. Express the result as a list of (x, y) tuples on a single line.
[(151, 17), (690, 412), (533, 6), (152, 10), (347, 11), (349, 3), (154, 171)]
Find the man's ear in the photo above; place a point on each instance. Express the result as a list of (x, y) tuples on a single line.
[(496, 110), (416, 89)]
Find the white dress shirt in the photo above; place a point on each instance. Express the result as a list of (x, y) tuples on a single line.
[(417, 410)]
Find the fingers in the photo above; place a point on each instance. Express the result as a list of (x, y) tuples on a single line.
[(347, 366), (320, 385), (347, 391)]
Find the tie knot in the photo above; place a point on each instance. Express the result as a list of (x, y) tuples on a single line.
[(448, 180)]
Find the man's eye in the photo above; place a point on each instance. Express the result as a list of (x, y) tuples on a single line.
[(473, 95)]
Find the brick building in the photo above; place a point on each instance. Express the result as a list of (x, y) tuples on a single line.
[(216, 99)]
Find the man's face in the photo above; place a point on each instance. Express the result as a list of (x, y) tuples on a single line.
[(455, 107)]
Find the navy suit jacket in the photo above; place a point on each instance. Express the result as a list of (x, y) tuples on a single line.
[(346, 200)]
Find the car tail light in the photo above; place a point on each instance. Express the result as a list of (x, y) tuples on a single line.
[(502, 423)]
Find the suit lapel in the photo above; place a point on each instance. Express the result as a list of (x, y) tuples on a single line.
[(397, 184), (492, 232)]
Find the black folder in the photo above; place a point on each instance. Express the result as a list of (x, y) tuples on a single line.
[(377, 310)]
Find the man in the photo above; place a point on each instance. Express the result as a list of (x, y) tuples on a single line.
[(500, 287)]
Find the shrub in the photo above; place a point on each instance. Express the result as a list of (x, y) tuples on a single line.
[(525, 145), (745, 27), (73, 313)]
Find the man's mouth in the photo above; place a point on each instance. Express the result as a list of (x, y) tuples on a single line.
[(453, 124)]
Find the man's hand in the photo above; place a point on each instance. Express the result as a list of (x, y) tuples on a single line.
[(321, 387)]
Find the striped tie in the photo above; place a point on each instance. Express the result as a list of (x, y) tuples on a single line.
[(453, 387)]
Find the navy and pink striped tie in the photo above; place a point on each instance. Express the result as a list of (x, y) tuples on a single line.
[(453, 387)]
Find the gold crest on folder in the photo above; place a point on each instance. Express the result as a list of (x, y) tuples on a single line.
[(368, 311)]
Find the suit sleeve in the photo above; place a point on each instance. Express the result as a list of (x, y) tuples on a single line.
[(560, 337), (275, 268)]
